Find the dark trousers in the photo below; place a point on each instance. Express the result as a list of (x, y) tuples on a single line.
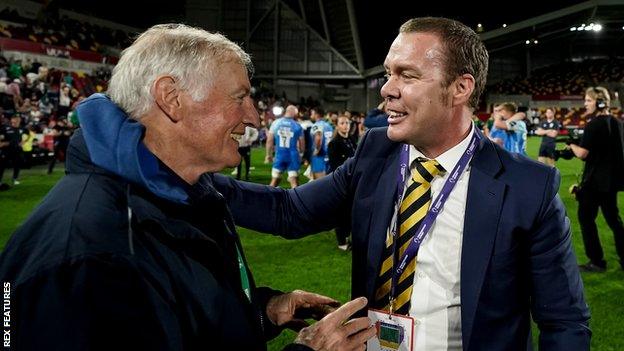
[(27, 159), (589, 203), (245, 152), (343, 229), (52, 162), (342, 233), (59, 154), (13, 157)]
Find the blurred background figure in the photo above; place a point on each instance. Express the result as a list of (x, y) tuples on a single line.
[(509, 128), (377, 117), (285, 137), (321, 134), (244, 149), (548, 130), (602, 150), (61, 133), (11, 142), (340, 148)]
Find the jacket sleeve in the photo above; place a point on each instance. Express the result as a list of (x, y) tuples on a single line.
[(311, 208), (262, 295), (92, 304), (558, 305)]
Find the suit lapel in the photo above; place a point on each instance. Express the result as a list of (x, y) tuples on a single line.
[(483, 209), (381, 215)]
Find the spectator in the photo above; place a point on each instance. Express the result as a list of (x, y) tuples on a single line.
[(340, 148), (244, 149), (12, 136), (27, 146), (548, 130)]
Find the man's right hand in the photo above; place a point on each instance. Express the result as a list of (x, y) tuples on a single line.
[(336, 332)]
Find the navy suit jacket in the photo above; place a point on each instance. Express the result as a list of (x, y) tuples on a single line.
[(517, 260)]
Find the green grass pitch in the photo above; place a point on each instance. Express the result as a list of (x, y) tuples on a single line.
[(315, 264)]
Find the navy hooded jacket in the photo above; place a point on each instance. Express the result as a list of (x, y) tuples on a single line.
[(124, 255)]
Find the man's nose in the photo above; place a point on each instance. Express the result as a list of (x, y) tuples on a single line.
[(251, 117), (390, 89)]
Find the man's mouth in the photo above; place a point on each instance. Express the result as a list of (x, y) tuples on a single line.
[(395, 116)]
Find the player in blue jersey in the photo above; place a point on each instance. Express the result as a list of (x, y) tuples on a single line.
[(518, 126), (286, 139), (497, 135), (322, 133), (508, 120)]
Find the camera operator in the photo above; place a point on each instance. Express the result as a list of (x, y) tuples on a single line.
[(603, 177)]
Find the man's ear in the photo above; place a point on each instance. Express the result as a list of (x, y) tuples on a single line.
[(463, 87), (166, 93)]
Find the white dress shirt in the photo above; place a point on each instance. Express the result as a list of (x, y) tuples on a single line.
[(435, 302)]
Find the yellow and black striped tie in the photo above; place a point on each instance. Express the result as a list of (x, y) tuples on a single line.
[(413, 209)]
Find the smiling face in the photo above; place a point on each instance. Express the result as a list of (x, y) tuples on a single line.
[(417, 100), (213, 125)]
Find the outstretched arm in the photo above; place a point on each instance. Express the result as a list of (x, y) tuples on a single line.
[(307, 209), (311, 208)]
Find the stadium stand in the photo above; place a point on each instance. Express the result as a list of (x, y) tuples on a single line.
[(568, 78), (64, 32)]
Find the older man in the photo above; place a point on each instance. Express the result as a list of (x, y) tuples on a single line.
[(134, 249), (463, 241)]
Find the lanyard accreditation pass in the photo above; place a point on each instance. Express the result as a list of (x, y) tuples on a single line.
[(433, 212)]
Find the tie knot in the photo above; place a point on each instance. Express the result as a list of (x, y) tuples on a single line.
[(426, 170)]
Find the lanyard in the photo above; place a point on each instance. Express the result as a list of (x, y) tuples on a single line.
[(242, 268), (432, 213), (243, 274)]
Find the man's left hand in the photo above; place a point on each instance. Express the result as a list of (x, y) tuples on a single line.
[(290, 309)]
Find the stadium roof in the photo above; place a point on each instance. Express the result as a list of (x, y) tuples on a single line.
[(348, 39)]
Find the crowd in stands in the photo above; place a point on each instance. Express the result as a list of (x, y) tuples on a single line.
[(43, 99), (567, 78), (63, 31)]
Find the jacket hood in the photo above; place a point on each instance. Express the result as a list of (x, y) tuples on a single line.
[(115, 143)]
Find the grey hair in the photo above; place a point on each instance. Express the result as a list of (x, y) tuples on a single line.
[(191, 55)]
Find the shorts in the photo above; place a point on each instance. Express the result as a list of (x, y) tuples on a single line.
[(284, 162), (319, 164), (547, 150)]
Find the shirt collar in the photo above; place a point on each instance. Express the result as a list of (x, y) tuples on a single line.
[(450, 157)]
